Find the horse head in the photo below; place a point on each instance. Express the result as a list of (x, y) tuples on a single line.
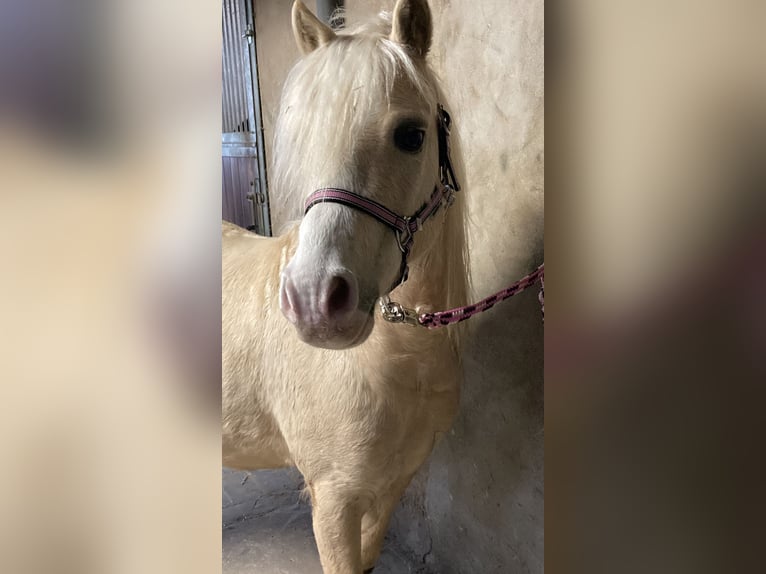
[(358, 113)]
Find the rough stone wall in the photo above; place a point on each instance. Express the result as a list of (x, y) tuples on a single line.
[(477, 506)]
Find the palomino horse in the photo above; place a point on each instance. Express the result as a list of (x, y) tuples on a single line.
[(311, 376)]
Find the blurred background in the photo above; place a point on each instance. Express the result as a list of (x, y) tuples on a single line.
[(110, 286), (110, 202), (655, 318)]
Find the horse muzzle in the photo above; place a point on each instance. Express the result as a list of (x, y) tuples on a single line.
[(324, 309)]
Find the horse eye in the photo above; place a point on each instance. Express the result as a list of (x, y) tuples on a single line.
[(409, 138)]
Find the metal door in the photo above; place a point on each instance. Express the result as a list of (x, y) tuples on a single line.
[(245, 193)]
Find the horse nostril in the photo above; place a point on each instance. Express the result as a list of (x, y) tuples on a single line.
[(341, 295)]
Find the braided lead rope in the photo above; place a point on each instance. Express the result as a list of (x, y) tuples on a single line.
[(451, 316)]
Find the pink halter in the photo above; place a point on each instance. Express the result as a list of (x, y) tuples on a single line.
[(404, 227)]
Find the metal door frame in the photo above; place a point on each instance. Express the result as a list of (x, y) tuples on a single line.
[(241, 144)]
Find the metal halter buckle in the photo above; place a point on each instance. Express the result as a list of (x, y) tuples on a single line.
[(396, 313), (444, 119), (448, 195), (404, 238)]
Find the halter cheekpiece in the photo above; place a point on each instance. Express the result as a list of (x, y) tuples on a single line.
[(404, 227)]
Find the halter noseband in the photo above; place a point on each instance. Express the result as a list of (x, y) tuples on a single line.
[(404, 227)]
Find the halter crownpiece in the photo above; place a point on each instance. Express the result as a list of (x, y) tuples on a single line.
[(404, 227)]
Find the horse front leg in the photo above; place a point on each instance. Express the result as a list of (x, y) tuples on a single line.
[(375, 523), (337, 521)]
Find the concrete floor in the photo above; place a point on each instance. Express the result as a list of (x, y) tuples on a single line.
[(267, 528)]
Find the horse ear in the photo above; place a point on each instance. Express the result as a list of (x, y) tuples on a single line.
[(309, 32), (412, 25)]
